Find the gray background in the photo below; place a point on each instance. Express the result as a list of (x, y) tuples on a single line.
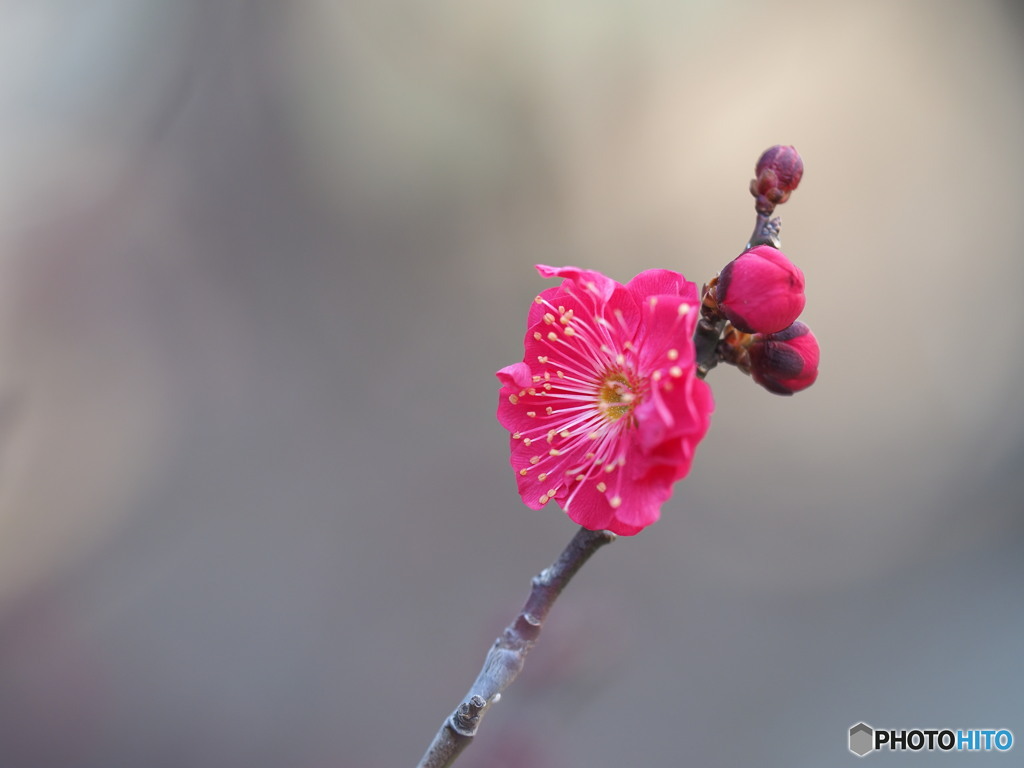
[(259, 261)]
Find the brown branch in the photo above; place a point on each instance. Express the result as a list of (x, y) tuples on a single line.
[(507, 656)]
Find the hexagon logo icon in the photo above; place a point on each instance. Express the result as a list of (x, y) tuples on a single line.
[(862, 738)]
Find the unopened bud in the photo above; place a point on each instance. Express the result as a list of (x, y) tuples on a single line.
[(760, 291), (785, 362), (779, 171)]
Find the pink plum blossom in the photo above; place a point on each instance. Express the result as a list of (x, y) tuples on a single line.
[(605, 410)]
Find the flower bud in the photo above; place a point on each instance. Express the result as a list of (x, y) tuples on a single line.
[(785, 362), (778, 171), (761, 291)]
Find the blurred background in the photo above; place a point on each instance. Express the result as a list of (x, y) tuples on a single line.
[(260, 260)]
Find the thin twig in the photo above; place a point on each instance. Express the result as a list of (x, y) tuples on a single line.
[(766, 232), (706, 340), (507, 656)]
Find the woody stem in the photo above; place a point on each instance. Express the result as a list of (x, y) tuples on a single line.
[(705, 340), (507, 656)]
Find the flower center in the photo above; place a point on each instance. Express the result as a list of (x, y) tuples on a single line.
[(617, 396)]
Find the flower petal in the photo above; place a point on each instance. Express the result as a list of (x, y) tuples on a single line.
[(656, 282), (516, 375), (623, 505)]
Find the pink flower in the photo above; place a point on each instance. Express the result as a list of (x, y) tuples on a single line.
[(785, 362), (779, 170), (606, 410), (761, 291)]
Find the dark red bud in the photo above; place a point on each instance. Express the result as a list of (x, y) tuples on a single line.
[(785, 362), (778, 170)]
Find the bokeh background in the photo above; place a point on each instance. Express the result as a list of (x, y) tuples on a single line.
[(259, 261)]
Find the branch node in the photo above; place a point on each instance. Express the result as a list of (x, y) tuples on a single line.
[(464, 720), (543, 578)]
